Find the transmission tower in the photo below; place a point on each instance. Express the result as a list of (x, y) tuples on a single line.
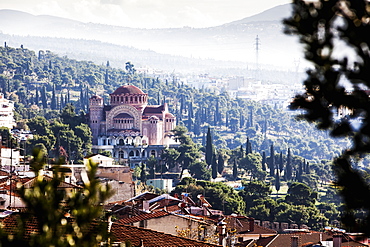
[(257, 46)]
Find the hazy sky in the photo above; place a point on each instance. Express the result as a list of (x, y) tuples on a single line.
[(146, 13)]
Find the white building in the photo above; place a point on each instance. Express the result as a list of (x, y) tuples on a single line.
[(6, 112)]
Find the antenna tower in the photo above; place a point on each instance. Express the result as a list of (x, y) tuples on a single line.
[(257, 45)]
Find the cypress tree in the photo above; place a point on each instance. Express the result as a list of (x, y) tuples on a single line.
[(190, 124), (106, 77), (214, 118), (190, 112), (235, 170), (241, 152), (247, 147), (288, 168), (272, 161), (53, 104), (277, 182), (143, 174), (308, 171), (299, 172), (227, 119), (61, 101), (37, 99), (44, 98), (251, 118), (217, 112), (214, 166), (68, 97), (209, 148), (264, 168), (281, 162), (220, 163)]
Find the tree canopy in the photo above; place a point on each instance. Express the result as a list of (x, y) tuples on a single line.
[(335, 41)]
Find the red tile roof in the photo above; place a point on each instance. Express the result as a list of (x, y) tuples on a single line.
[(127, 89), (31, 182), (10, 225), (303, 239), (4, 173), (242, 225), (144, 216), (153, 109), (150, 238)]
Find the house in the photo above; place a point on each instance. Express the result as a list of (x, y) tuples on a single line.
[(150, 238), (176, 224), (11, 198), (304, 239), (6, 113), (245, 228), (99, 159)]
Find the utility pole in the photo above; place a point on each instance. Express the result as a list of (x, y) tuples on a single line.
[(257, 45)]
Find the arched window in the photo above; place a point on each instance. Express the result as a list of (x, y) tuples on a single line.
[(152, 153), (137, 153), (121, 142), (121, 154), (131, 154)]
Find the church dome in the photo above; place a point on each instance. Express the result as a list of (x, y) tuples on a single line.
[(128, 89), (129, 95)]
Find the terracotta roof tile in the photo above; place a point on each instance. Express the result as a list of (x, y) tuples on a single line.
[(303, 239), (150, 238), (30, 183), (127, 89), (4, 173), (242, 225), (154, 109), (144, 216)]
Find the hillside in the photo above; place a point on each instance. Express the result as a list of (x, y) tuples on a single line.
[(230, 42)]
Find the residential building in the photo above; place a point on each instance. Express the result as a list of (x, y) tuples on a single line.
[(6, 113)]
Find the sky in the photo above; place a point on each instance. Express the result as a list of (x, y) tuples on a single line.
[(146, 13)]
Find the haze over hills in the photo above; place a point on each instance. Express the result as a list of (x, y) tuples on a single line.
[(235, 41)]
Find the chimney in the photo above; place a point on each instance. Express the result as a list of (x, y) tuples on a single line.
[(251, 224), (146, 206), (221, 227), (294, 241), (337, 240)]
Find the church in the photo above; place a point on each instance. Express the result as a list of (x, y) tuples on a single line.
[(128, 127)]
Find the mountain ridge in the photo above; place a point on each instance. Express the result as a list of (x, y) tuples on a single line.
[(233, 41)]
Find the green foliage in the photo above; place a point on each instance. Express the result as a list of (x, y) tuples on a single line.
[(319, 26), (152, 164), (188, 151), (252, 164), (200, 171), (253, 191), (64, 218), (301, 194)]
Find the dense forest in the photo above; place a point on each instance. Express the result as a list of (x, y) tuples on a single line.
[(255, 141)]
